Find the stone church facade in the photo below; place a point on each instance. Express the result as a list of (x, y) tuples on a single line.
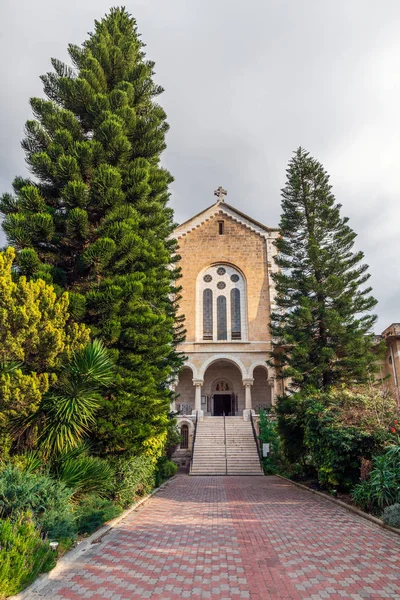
[(227, 297)]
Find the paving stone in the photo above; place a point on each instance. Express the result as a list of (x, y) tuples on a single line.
[(229, 538)]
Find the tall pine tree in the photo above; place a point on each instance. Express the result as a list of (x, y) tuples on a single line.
[(95, 220), (322, 324)]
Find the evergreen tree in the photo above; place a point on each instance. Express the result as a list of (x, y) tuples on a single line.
[(95, 220), (36, 339), (322, 326)]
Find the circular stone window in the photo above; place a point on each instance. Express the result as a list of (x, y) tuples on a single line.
[(234, 277), (221, 285), (221, 271), (207, 278)]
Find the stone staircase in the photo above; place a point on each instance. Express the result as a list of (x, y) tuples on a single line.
[(225, 448)]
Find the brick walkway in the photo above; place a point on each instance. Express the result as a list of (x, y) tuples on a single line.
[(232, 538)]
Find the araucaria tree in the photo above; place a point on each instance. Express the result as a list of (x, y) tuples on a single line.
[(322, 324), (95, 220)]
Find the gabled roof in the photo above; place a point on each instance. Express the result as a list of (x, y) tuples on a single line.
[(222, 208)]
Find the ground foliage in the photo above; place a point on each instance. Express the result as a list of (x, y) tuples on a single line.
[(95, 221), (23, 554), (328, 434), (381, 488), (268, 434), (391, 515)]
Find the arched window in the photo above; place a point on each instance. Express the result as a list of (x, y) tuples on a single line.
[(207, 315), (222, 332), (184, 437), (236, 329), (221, 302)]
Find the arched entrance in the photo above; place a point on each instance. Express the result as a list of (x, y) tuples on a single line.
[(223, 399), (222, 390)]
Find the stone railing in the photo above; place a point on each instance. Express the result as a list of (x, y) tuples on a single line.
[(184, 409)]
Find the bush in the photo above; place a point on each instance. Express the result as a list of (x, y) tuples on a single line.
[(391, 515), (85, 474), (274, 462), (382, 488), (93, 511), (332, 432), (23, 555), (48, 500), (165, 469), (135, 477)]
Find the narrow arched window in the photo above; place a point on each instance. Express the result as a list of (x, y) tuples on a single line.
[(236, 326), (222, 332), (207, 315), (184, 437)]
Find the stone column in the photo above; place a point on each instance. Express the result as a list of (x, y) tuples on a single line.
[(271, 383), (173, 402), (247, 398), (197, 398)]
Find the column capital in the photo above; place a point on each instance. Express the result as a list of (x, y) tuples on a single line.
[(197, 382), (248, 381), (271, 381)]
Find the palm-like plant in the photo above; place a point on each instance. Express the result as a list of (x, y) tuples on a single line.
[(84, 474), (69, 411)]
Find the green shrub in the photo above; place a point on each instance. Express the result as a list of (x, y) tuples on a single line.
[(165, 469), (332, 432), (135, 477), (382, 488), (23, 555), (48, 500), (86, 474), (391, 515), (93, 511), (336, 444), (290, 427), (274, 462)]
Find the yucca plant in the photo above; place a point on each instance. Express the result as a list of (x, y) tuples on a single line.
[(84, 474), (67, 412)]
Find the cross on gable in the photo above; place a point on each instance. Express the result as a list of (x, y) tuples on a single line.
[(220, 193)]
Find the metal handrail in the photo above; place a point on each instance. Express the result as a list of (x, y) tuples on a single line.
[(256, 439), (194, 441), (226, 454)]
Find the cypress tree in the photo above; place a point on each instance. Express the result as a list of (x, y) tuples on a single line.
[(322, 324), (95, 220)]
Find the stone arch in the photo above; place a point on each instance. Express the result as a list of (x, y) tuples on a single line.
[(192, 367), (262, 364), (228, 357)]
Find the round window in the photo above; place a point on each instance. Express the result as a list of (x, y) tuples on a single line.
[(221, 285), (234, 277), (207, 278), (221, 271)]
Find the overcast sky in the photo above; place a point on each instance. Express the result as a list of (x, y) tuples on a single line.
[(246, 83)]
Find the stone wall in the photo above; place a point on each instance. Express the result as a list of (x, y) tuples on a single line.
[(238, 246)]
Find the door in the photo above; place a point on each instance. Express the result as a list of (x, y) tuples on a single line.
[(222, 404)]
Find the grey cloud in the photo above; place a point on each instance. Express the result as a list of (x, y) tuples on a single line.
[(245, 84)]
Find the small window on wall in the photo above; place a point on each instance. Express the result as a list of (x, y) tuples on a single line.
[(184, 437), (221, 227)]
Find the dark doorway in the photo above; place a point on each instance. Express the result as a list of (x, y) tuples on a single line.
[(222, 404)]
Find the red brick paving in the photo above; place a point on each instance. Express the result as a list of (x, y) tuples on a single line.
[(228, 538)]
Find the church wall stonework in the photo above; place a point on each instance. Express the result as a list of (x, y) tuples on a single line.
[(237, 246)]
